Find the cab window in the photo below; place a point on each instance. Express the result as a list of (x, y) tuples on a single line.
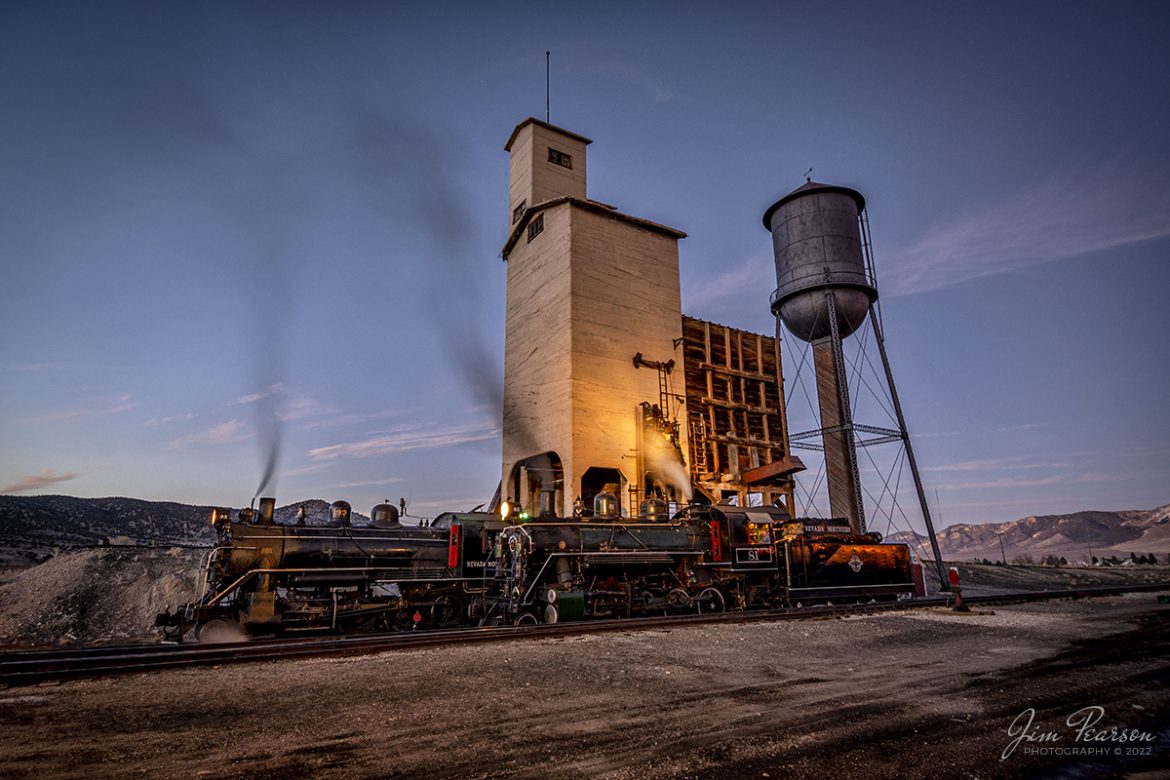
[(759, 533)]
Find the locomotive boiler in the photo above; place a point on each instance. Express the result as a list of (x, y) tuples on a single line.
[(266, 577)]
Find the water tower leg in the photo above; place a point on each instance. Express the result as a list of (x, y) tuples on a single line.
[(837, 438), (881, 342), (837, 423)]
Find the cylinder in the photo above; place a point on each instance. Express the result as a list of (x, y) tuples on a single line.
[(817, 244)]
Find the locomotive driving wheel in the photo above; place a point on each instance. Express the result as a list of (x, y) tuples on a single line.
[(447, 611), (710, 600), (678, 599), (217, 631)]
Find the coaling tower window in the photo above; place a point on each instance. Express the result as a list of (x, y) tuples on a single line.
[(560, 158), (519, 211), (535, 227)]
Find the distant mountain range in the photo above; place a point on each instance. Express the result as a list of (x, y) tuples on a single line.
[(47, 523), (52, 522), (1070, 536)]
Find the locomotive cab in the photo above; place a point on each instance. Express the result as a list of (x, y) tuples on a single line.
[(742, 539)]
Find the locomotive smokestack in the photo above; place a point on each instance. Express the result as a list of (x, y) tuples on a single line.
[(267, 510)]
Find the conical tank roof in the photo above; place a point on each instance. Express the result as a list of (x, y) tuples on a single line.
[(811, 188)]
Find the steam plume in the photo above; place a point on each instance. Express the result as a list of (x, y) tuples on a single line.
[(669, 472)]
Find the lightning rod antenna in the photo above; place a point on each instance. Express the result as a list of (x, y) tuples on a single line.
[(547, 55)]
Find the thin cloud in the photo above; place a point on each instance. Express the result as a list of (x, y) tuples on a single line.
[(224, 433), (731, 283), (300, 408), (155, 422), (1013, 463), (23, 367), (95, 407), (368, 482), (301, 471), (287, 407), (251, 398), (1007, 482), (1024, 427), (344, 420), (405, 441), (1073, 212), (38, 481), (631, 74)]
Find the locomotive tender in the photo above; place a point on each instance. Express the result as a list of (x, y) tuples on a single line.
[(477, 568)]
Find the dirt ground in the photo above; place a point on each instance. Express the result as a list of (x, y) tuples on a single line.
[(901, 695)]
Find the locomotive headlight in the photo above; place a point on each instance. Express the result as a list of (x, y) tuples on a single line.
[(505, 509)]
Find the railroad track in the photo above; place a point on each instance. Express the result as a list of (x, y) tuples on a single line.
[(26, 667)]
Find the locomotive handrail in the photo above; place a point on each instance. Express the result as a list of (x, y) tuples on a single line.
[(230, 588), (539, 576), (205, 569), (632, 536)]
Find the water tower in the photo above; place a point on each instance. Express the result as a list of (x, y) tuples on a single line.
[(825, 291)]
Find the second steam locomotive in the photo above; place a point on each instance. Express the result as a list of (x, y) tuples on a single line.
[(475, 568)]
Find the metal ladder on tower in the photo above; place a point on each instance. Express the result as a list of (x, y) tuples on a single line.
[(699, 447)]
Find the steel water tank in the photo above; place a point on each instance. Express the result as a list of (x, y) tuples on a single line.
[(817, 242)]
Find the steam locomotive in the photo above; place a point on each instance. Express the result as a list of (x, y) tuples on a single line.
[(477, 568)]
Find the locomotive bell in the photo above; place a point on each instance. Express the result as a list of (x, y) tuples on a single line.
[(653, 509)]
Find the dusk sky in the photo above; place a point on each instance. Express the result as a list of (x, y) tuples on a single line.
[(210, 211)]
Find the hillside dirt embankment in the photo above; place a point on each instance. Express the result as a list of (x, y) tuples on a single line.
[(101, 595)]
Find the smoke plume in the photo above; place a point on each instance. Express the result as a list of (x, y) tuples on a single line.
[(669, 472), (417, 159)]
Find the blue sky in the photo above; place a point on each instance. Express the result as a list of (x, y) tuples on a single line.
[(210, 212)]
